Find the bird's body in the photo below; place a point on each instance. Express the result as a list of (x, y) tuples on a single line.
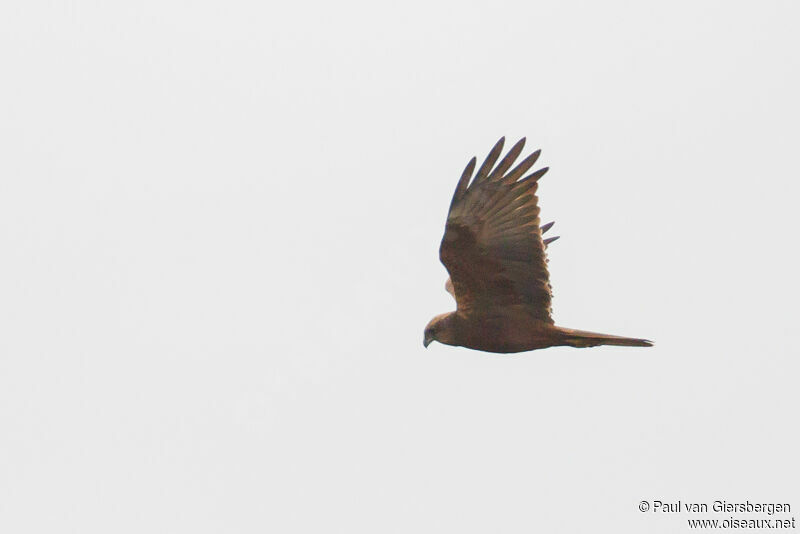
[(494, 251), (497, 332), (514, 331)]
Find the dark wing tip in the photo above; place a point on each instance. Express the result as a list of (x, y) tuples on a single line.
[(509, 159), (463, 182), (520, 144), (491, 159), (536, 175), (498, 146), (470, 168)]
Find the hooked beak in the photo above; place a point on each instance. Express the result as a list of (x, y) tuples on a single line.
[(427, 341)]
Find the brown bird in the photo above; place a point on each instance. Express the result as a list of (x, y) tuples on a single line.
[(494, 252)]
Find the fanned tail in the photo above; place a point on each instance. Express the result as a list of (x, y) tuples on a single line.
[(580, 338)]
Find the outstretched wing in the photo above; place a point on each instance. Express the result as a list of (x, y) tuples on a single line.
[(492, 245)]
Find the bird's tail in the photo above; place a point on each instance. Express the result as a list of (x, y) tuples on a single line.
[(580, 338)]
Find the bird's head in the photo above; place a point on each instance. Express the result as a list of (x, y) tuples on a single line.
[(437, 330)]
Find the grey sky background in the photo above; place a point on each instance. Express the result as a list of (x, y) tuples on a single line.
[(219, 228)]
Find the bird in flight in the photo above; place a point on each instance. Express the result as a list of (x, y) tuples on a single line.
[(495, 254)]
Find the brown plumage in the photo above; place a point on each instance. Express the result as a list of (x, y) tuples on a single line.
[(495, 254)]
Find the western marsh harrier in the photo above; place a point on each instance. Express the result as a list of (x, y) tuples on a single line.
[(494, 252)]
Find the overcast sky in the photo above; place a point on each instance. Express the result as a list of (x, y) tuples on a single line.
[(219, 231)]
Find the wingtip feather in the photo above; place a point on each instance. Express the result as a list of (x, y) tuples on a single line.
[(490, 160), (507, 161)]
